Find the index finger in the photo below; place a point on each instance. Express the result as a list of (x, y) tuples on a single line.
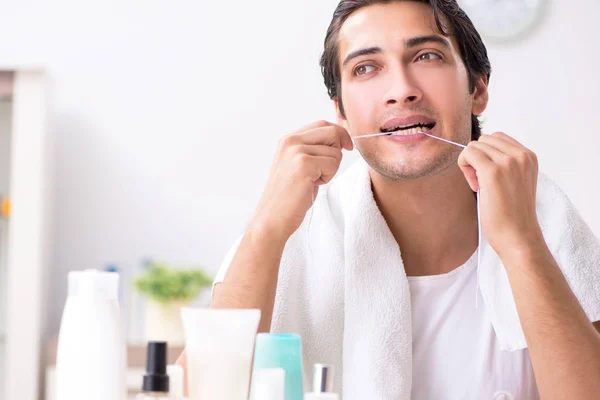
[(332, 135)]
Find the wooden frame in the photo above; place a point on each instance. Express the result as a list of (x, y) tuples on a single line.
[(27, 262)]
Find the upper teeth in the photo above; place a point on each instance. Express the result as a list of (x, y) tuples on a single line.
[(410, 131)]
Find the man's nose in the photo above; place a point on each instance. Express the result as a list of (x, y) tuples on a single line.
[(403, 89)]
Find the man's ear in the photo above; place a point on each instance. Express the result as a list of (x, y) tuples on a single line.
[(341, 120), (480, 95)]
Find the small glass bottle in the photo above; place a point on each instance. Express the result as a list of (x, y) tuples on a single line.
[(322, 384), (156, 381)]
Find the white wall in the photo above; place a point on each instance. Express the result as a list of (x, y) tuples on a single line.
[(166, 114), (545, 91)]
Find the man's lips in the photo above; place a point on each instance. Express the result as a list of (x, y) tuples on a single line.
[(404, 123)]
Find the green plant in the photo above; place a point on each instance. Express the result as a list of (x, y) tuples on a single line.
[(164, 284)]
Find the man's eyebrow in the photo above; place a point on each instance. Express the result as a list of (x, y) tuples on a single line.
[(417, 41), (413, 42), (361, 52)]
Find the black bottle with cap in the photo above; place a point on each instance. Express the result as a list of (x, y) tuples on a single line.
[(156, 381)]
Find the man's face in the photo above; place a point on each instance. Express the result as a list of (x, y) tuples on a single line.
[(399, 71)]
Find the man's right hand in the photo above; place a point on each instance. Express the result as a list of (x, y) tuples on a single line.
[(304, 160)]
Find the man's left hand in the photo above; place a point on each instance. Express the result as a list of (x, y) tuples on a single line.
[(505, 174)]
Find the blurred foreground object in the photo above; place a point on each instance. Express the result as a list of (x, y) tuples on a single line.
[(5, 207)]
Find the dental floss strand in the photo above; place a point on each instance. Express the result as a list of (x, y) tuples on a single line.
[(444, 140), (397, 134), (374, 135)]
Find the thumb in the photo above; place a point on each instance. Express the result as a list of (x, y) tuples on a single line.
[(468, 170), (347, 142), (471, 176)]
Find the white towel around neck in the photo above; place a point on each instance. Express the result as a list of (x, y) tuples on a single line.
[(343, 287)]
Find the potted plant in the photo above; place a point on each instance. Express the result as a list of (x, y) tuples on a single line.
[(169, 289)]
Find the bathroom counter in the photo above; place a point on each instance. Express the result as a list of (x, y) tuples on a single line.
[(136, 365)]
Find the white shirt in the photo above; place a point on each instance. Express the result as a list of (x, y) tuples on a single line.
[(341, 287), (456, 354)]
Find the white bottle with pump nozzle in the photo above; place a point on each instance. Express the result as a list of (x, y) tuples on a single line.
[(322, 384), (91, 354)]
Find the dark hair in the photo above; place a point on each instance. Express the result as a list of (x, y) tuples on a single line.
[(450, 20)]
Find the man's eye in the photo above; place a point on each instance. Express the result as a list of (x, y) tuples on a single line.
[(428, 57), (363, 69)]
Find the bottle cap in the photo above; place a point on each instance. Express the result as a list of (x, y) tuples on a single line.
[(322, 378), (93, 283), (156, 378)]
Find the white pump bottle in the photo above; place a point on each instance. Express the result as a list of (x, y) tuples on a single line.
[(91, 355)]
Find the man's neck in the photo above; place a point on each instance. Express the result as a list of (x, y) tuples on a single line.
[(433, 219)]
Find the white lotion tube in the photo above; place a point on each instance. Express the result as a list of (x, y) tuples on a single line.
[(219, 347)]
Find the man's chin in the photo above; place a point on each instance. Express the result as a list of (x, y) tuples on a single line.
[(405, 170)]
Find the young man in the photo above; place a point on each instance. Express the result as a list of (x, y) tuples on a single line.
[(380, 278)]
